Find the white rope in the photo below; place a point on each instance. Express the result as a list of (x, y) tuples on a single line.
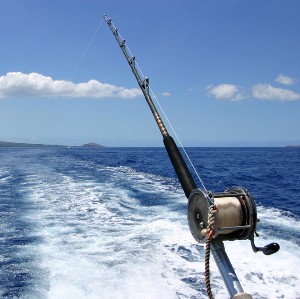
[(84, 52)]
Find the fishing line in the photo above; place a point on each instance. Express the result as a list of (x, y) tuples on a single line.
[(179, 141), (84, 52), (136, 64), (160, 107)]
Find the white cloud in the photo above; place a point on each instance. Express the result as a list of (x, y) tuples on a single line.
[(166, 94), (265, 91), (285, 80), (34, 85), (224, 91)]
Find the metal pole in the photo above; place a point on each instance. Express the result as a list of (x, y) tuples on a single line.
[(231, 280)]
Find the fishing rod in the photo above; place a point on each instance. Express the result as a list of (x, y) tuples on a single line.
[(213, 217)]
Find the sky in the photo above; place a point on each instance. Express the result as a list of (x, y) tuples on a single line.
[(226, 72)]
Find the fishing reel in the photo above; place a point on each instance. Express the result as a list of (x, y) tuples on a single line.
[(231, 215)]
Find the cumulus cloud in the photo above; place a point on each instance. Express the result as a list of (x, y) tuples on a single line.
[(265, 91), (166, 94), (224, 91), (34, 85), (285, 80)]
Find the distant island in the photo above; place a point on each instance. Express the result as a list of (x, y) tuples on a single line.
[(17, 144), (92, 145), (293, 146)]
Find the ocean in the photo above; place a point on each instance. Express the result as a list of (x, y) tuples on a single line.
[(112, 223)]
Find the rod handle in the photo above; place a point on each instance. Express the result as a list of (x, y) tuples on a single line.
[(185, 178)]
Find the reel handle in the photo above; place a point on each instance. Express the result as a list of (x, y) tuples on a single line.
[(266, 250)]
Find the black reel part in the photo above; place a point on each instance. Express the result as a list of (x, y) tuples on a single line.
[(266, 250), (198, 207), (248, 209)]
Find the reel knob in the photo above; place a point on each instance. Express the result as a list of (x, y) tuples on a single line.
[(270, 248), (266, 250)]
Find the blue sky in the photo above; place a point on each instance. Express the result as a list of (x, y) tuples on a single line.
[(227, 73)]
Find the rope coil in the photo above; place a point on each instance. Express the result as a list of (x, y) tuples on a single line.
[(210, 233)]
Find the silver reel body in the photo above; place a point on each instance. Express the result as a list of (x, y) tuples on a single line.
[(235, 217)]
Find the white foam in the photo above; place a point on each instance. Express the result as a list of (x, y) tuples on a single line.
[(100, 242), (5, 176), (278, 218)]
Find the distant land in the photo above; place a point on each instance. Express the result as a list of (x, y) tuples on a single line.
[(89, 145), (92, 145), (17, 144)]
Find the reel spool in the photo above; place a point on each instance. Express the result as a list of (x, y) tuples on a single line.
[(235, 218)]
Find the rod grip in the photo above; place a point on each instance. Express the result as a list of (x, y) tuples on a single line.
[(185, 178)]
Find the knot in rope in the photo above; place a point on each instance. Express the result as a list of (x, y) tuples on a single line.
[(211, 223)]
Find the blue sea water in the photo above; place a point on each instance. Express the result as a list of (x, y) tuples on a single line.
[(111, 223)]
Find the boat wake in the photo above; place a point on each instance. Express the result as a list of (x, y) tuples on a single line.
[(73, 228)]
